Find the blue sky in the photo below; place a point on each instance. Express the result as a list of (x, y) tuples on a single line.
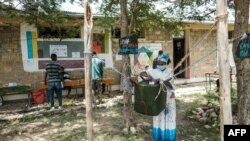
[(67, 6), (75, 7), (78, 7)]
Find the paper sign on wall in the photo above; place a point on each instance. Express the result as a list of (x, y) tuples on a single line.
[(118, 57), (75, 54), (30, 65), (59, 50)]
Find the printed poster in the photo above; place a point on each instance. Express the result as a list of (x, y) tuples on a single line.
[(59, 50)]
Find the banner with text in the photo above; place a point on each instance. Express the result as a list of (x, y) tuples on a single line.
[(243, 50), (128, 45)]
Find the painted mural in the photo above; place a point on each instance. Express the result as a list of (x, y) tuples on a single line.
[(36, 52)]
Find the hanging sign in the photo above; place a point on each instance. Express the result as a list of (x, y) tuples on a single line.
[(128, 45), (243, 50)]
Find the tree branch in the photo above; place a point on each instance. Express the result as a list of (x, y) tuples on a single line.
[(133, 17)]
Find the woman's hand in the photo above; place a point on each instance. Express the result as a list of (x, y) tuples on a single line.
[(134, 79), (144, 74), (157, 81), (172, 95), (150, 78)]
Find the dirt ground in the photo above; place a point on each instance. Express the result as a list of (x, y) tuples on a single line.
[(20, 123)]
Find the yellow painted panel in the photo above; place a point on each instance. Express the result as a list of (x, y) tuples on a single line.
[(34, 45)]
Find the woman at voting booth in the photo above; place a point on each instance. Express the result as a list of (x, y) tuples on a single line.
[(162, 106)]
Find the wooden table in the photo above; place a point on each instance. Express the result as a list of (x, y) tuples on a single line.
[(16, 90), (209, 75), (75, 83), (108, 82)]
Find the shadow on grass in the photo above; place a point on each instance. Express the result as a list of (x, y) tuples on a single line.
[(107, 125)]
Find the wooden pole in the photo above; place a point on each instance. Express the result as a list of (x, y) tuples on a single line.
[(88, 25), (224, 67)]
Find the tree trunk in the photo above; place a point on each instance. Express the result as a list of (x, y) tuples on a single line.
[(88, 24), (127, 97), (242, 65)]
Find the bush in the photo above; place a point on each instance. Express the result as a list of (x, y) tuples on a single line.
[(213, 100), (209, 112)]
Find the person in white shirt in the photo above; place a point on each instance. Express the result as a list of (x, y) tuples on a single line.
[(164, 124)]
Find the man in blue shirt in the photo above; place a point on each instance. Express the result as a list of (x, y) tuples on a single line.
[(97, 74), (54, 78)]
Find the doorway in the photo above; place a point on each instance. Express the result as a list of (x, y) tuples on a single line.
[(179, 53)]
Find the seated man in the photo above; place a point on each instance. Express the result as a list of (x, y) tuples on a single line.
[(66, 77)]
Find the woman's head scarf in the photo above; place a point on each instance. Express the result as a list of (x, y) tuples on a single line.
[(164, 58)]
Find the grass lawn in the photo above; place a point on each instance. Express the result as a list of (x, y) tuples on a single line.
[(70, 124)]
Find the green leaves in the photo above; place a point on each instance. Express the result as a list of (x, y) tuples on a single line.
[(194, 9), (148, 14), (42, 13), (145, 16)]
